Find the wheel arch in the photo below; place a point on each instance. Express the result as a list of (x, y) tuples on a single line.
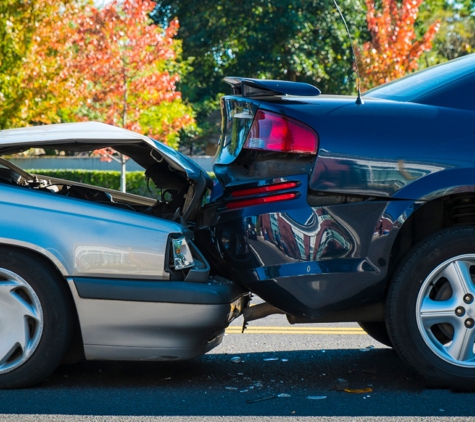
[(451, 210), (38, 251)]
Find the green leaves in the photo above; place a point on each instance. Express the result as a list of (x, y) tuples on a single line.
[(283, 39), (165, 120), (68, 61), (456, 36)]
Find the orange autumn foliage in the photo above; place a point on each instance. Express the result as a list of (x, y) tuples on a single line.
[(394, 48), (34, 91), (123, 66)]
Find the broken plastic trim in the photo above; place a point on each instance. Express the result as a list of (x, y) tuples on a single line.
[(200, 272)]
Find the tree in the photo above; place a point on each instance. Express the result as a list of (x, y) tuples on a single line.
[(394, 49), (125, 71), (23, 76), (456, 36), (302, 40)]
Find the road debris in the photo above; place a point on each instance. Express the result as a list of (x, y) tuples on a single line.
[(231, 388), (340, 385), (236, 359), (270, 359), (283, 395), (358, 390), (367, 349), (284, 360), (261, 399), (316, 397)]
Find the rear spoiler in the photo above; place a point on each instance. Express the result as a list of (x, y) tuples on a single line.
[(248, 87)]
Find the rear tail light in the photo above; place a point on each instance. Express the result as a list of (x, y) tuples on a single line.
[(259, 201), (275, 132), (273, 192), (264, 189)]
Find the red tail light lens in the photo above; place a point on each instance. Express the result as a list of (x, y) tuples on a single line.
[(275, 132), (259, 201), (264, 189)]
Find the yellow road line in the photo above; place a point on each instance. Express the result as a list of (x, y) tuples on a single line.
[(296, 330)]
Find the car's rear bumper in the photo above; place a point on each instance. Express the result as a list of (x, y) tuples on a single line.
[(153, 320), (308, 261)]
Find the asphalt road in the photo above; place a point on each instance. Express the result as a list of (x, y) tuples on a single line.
[(300, 367)]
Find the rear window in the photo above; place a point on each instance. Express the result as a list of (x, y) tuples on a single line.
[(421, 83)]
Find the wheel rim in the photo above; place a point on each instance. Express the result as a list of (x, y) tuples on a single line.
[(21, 321), (445, 311)]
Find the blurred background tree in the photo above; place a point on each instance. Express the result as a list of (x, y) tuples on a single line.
[(297, 40), (394, 48), (69, 61), (25, 27), (125, 70), (456, 36)]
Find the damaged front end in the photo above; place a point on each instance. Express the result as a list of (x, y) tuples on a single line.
[(142, 287)]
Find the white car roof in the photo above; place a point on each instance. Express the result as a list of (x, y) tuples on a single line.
[(68, 132)]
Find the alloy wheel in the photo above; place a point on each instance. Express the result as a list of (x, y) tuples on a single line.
[(445, 311), (21, 321)]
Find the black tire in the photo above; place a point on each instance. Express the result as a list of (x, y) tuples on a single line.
[(378, 331), (43, 296), (430, 309)]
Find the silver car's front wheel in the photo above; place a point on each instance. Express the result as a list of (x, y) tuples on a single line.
[(21, 321), (36, 318)]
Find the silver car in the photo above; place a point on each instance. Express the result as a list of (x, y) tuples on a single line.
[(96, 273)]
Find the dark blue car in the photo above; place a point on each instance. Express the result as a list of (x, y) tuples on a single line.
[(362, 213)]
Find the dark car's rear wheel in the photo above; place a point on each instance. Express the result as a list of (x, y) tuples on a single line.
[(35, 319), (378, 331), (431, 309)]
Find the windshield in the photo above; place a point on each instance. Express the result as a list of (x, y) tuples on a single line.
[(420, 83)]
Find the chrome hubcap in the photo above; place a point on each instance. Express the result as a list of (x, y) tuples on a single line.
[(21, 321), (445, 311)]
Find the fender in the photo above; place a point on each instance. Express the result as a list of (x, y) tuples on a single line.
[(52, 255), (85, 238), (437, 185)]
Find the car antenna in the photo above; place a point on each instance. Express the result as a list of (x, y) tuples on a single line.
[(359, 100)]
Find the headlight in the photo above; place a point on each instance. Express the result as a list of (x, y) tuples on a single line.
[(182, 257)]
